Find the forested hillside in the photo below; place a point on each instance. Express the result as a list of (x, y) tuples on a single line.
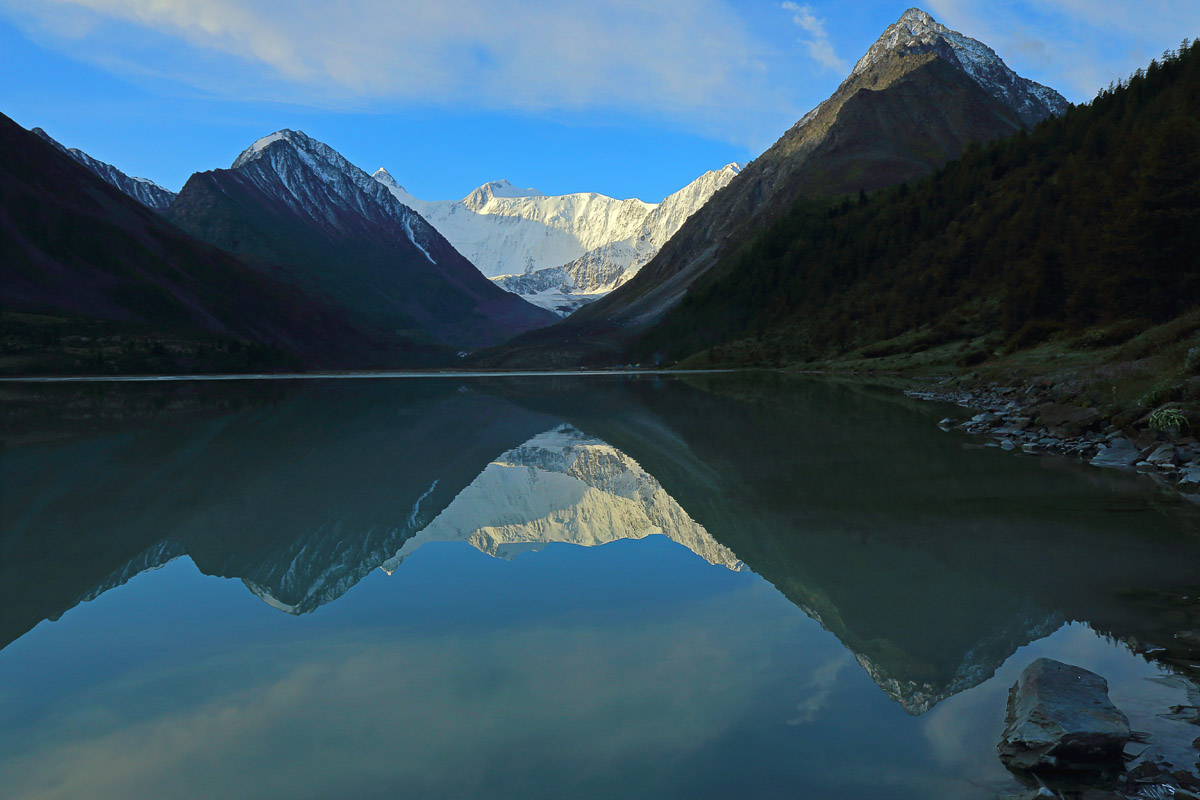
[(1090, 219)]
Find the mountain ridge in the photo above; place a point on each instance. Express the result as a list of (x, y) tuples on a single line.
[(560, 251), (144, 190), (296, 209)]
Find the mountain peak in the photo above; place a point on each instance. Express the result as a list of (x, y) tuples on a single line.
[(503, 188), (917, 33), (385, 177), (297, 138), (497, 189), (916, 16), (399, 192)]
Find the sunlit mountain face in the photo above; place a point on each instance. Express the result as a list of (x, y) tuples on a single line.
[(792, 547)]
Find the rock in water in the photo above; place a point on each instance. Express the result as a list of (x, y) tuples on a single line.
[(1059, 717), (1119, 453)]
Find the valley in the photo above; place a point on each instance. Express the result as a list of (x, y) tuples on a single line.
[(833, 471)]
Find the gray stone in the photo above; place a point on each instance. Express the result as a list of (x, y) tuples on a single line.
[(1162, 455), (1059, 717), (1189, 476), (1119, 453)]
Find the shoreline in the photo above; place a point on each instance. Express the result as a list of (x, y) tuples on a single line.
[(1033, 422), (349, 375)]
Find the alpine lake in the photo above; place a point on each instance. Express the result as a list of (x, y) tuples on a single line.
[(712, 585)]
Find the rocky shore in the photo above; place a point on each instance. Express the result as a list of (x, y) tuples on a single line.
[(1029, 419), (1033, 419)]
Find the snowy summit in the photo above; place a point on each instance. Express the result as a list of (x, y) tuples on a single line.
[(918, 32)]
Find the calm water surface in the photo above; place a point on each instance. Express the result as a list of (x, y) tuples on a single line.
[(714, 586)]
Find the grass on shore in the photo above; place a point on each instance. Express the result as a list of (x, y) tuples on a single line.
[(1126, 370), (37, 344)]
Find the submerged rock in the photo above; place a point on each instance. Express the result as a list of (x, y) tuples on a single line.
[(1060, 718)]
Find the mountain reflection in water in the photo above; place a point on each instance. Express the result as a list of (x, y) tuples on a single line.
[(930, 563)]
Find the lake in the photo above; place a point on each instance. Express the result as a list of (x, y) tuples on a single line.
[(703, 586)]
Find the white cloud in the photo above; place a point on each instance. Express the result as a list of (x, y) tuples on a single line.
[(819, 46), (692, 59)]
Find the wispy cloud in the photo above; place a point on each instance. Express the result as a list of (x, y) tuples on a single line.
[(694, 60), (819, 687), (818, 43), (328, 717)]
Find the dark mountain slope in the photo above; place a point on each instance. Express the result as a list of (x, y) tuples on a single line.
[(919, 96), (295, 209), (146, 192), (1092, 218), (71, 245)]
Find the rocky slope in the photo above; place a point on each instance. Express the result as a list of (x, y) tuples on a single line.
[(919, 96), (564, 251), (294, 208), (144, 190)]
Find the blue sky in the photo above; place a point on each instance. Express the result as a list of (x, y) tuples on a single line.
[(632, 98)]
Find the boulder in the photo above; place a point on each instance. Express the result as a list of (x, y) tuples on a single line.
[(1162, 455), (1120, 453), (1060, 718)]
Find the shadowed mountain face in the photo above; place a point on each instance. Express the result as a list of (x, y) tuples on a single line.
[(73, 245), (931, 563), (295, 209), (145, 191), (919, 96)]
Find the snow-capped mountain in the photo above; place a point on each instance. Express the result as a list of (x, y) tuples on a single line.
[(287, 172), (917, 32), (564, 486), (297, 209), (563, 251), (144, 190), (917, 99)]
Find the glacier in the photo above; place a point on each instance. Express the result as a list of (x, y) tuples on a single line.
[(559, 251)]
